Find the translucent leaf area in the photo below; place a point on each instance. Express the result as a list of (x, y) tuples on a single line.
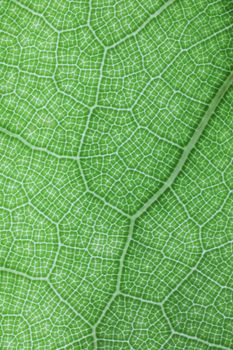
[(116, 175)]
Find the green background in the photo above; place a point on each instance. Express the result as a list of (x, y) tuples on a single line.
[(116, 177)]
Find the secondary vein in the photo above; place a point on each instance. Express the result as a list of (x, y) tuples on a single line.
[(189, 147)]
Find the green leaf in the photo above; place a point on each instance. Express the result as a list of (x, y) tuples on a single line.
[(116, 177)]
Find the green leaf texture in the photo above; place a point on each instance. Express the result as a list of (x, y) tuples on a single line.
[(116, 176)]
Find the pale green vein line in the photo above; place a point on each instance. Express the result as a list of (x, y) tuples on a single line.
[(223, 245), (123, 255), (35, 148), (141, 300), (107, 307), (207, 38), (64, 301), (211, 345), (181, 282), (166, 342), (189, 147), (108, 204), (117, 290), (219, 285), (73, 343), (22, 274), (90, 27), (34, 13), (58, 156), (139, 29)]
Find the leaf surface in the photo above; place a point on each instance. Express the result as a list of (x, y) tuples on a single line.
[(116, 175)]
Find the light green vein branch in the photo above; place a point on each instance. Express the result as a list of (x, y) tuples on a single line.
[(33, 147), (143, 25), (189, 147)]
